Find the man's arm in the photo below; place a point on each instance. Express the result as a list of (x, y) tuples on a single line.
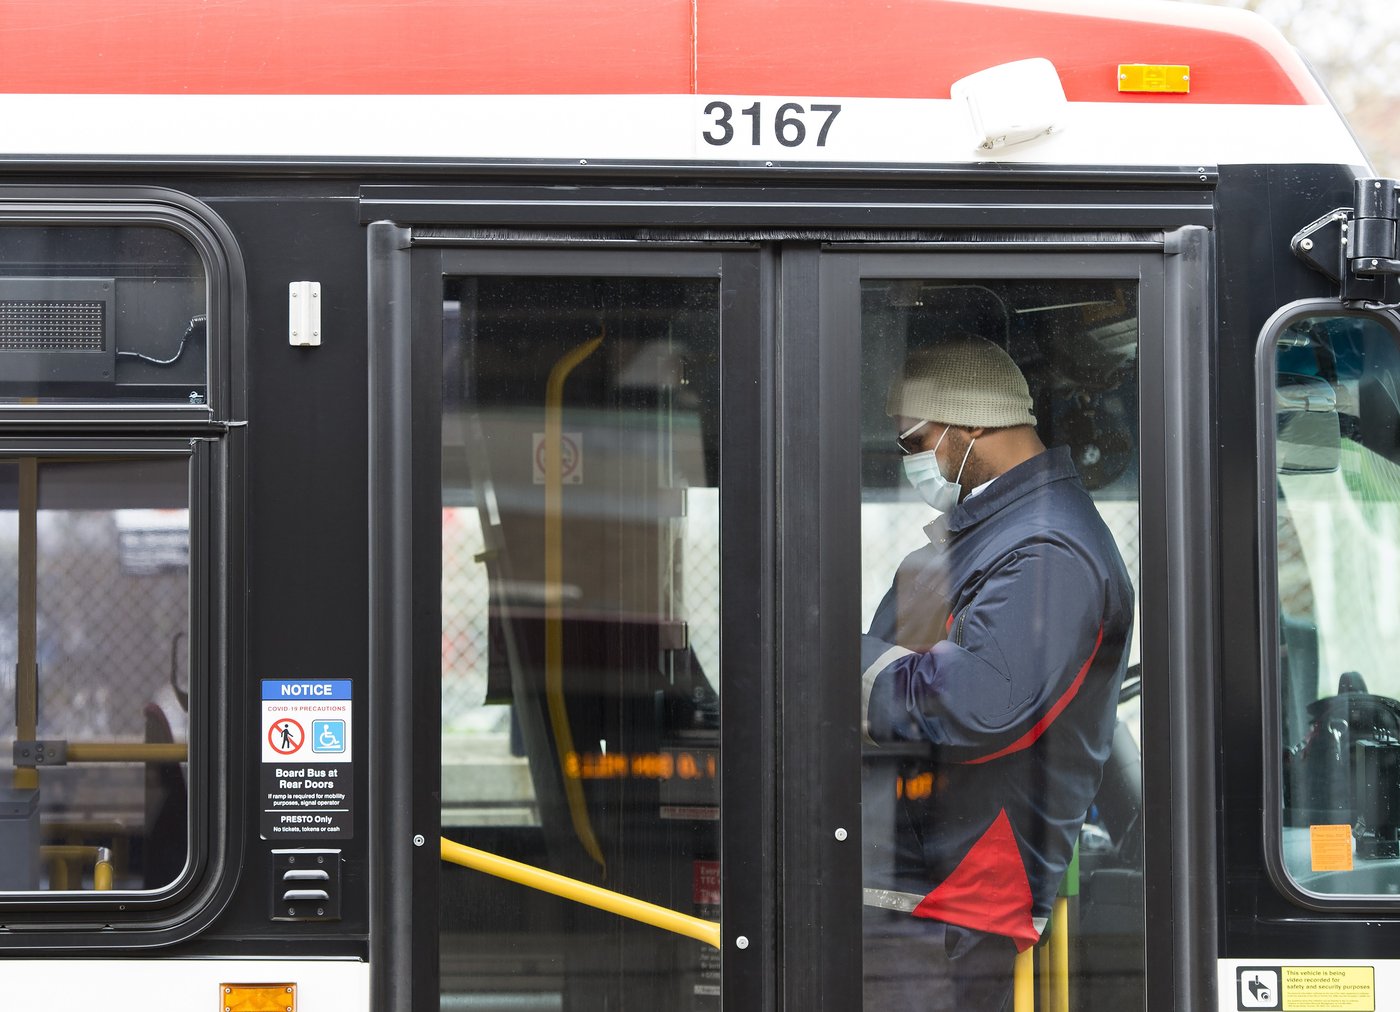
[(1014, 657)]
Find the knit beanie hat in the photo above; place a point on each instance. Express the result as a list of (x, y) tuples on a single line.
[(968, 381)]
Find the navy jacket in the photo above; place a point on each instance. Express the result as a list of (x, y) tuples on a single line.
[(1001, 644)]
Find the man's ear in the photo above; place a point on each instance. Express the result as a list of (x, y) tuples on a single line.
[(975, 432)]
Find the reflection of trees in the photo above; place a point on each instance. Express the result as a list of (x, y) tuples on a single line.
[(1354, 45), (1341, 533)]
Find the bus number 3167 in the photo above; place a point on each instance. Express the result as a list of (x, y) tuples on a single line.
[(788, 124)]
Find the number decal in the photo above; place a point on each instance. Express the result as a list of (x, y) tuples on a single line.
[(755, 113), (786, 120), (722, 114), (831, 113), (788, 127)]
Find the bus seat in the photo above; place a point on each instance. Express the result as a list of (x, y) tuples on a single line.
[(167, 809)]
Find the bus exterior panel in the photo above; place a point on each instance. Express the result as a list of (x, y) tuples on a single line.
[(611, 286)]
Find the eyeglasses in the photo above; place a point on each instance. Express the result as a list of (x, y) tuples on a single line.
[(909, 448)]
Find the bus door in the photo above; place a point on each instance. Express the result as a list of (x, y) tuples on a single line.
[(632, 510), (1106, 337), (568, 480)]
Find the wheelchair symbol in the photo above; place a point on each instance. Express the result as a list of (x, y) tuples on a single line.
[(328, 736)]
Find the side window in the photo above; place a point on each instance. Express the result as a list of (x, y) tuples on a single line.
[(101, 313), (113, 321), (1336, 592), (94, 665)]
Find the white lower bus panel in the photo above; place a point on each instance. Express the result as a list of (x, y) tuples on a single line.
[(136, 985)]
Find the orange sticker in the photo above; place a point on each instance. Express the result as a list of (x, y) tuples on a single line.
[(1331, 848)]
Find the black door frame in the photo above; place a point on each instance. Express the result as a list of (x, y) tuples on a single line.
[(406, 500), (1177, 618), (791, 421)]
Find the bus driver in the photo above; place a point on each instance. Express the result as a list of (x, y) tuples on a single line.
[(1001, 644)]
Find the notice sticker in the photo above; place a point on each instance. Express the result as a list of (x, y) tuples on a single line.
[(306, 739), (1329, 989), (1306, 988), (570, 458), (1331, 848)]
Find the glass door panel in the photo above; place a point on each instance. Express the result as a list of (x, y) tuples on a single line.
[(1001, 784), (580, 633)]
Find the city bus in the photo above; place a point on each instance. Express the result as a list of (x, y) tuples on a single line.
[(445, 476)]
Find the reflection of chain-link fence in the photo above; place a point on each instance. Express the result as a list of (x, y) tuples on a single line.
[(889, 531), (112, 634), (701, 578), (466, 594), (113, 617)]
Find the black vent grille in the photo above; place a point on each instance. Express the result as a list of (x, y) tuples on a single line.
[(52, 325)]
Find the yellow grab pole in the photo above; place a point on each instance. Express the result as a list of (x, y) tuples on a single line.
[(1044, 950), (1024, 986), (61, 856), (127, 752), (581, 892), (554, 588), (102, 870), (1059, 955), (27, 674)]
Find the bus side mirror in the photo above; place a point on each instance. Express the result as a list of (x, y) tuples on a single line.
[(1371, 245), (1357, 246)]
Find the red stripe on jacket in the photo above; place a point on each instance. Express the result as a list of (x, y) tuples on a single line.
[(1043, 724), (988, 890)]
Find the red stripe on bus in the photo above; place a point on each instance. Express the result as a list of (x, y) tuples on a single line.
[(316, 47), (904, 48), (855, 48)]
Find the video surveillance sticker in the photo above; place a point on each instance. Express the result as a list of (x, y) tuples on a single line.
[(1313, 988)]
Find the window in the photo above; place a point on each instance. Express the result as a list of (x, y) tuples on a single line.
[(116, 309), (95, 648), (1335, 593), (580, 626), (986, 700), (102, 313)]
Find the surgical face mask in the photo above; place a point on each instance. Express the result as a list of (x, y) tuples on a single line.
[(926, 476)]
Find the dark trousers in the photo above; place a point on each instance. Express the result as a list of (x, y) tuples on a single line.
[(916, 965)]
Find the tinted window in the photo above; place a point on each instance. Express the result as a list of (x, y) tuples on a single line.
[(1337, 575)]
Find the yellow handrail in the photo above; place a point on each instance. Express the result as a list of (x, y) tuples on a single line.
[(1059, 955), (102, 871), (128, 752), (63, 855), (1023, 982), (26, 671), (581, 892), (554, 587), (1052, 954)]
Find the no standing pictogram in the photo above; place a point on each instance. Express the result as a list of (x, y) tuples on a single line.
[(285, 735)]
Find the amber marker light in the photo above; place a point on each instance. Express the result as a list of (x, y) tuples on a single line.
[(1160, 78)]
